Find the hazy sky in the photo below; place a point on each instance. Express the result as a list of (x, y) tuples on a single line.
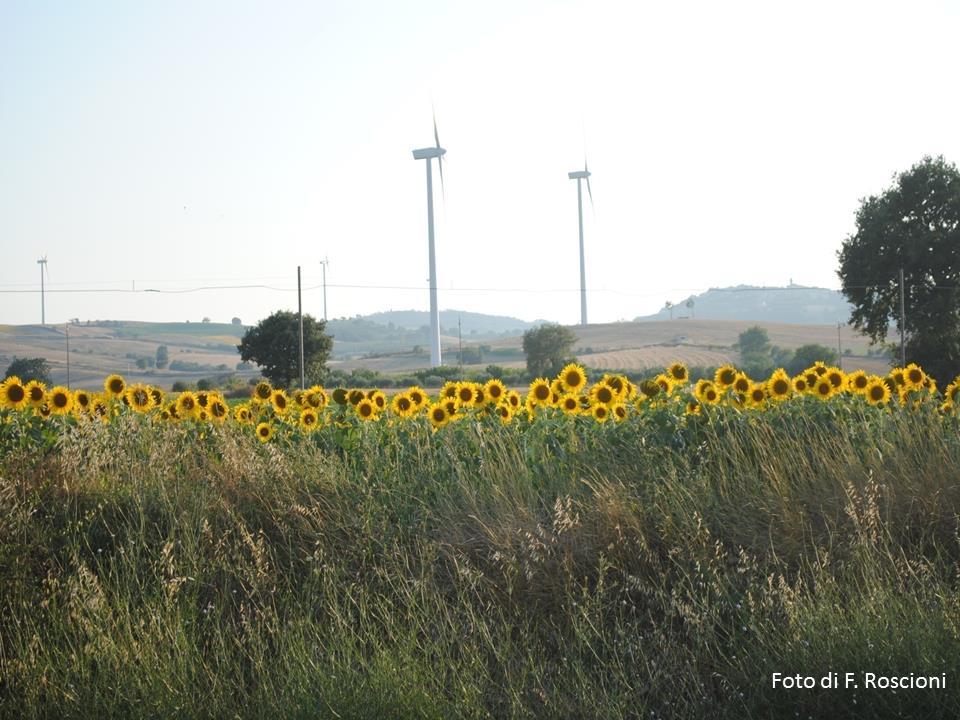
[(173, 145)]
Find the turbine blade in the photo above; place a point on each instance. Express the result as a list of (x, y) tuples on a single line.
[(436, 137)]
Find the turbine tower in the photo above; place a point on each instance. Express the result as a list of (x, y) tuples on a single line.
[(42, 262), (580, 176), (428, 154)]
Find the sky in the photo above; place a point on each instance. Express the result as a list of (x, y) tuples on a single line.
[(205, 150)]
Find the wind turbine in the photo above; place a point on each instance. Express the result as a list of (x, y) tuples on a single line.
[(42, 262), (580, 176), (428, 154)]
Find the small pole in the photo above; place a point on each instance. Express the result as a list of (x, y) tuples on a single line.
[(42, 262), (300, 319), (324, 263), (66, 332), (903, 325), (839, 348), (460, 340)]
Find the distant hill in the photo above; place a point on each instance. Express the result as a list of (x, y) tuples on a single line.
[(791, 304), (473, 323)]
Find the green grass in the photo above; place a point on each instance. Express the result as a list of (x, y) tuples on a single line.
[(663, 567)]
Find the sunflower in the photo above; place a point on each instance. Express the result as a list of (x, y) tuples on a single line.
[(600, 413), (14, 394), (308, 419), (100, 409), (203, 398), (505, 412), (914, 377), (186, 404), (756, 395), (711, 395), (617, 383), (725, 376), (540, 392), (379, 399), (742, 383), (602, 394), (242, 414), (779, 386), (898, 376), (811, 376), (171, 410), (417, 396), (573, 378), (701, 387), (36, 392), (819, 367), (449, 389), (280, 401), (366, 409), (649, 389), (514, 399), (466, 393), (857, 382), (438, 415), (139, 398), (692, 408), (665, 383), (800, 385), (339, 396), (218, 409), (202, 414), (316, 397), (952, 391), (43, 410), (355, 396), (81, 400), (619, 412), (264, 432), (678, 373), (402, 405), (262, 392), (877, 391), (836, 378), (824, 389), (115, 385), (570, 404), (157, 395), (60, 400)]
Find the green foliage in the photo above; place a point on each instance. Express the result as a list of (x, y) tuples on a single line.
[(547, 349), (274, 345), (661, 567), (28, 369), (913, 225), (756, 352), (163, 356), (806, 355)]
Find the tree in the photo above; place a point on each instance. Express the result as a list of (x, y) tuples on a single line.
[(547, 348), (806, 355), (914, 225), (756, 352), (28, 369), (163, 356), (236, 321), (274, 345)]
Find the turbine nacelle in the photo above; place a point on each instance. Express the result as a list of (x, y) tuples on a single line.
[(577, 175), (429, 152)]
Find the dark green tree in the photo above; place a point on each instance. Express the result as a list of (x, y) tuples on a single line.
[(274, 345), (756, 352), (28, 369), (163, 356), (806, 355), (547, 349), (914, 225)]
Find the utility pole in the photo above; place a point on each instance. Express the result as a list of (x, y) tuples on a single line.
[(66, 332), (300, 320), (460, 340), (42, 262), (324, 263), (903, 325)]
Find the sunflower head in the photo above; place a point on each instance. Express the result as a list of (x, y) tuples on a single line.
[(678, 373), (540, 391), (742, 383), (573, 378), (308, 419), (570, 404), (81, 400), (59, 400), (262, 392), (115, 385), (877, 391), (725, 376), (218, 409), (366, 409), (139, 398), (264, 432), (402, 405), (339, 396), (13, 394), (279, 400), (466, 393), (779, 386), (824, 389), (600, 413), (438, 415), (36, 392)]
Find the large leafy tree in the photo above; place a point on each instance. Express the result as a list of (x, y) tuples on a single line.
[(913, 225), (274, 345), (30, 369), (547, 348)]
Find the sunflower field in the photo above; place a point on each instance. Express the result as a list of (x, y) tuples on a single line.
[(583, 547)]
